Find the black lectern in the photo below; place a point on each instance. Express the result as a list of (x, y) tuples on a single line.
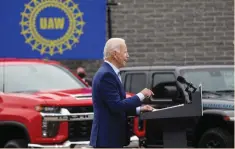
[(173, 120)]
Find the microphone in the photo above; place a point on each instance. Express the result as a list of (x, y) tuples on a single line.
[(183, 81)]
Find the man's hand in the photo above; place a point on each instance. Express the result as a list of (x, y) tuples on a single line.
[(147, 92), (146, 108)]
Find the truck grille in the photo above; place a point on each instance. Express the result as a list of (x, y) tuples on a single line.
[(80, 130), (82, 109)]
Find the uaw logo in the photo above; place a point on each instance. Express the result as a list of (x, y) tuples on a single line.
[(52, 26)]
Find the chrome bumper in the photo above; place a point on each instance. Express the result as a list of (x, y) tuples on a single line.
[(231, 119), (66, 144), (65, 115), (83, 144), (134, 142)]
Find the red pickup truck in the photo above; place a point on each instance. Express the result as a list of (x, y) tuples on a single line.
[(43, 104)]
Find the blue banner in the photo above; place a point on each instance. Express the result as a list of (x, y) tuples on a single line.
[(54, 29)]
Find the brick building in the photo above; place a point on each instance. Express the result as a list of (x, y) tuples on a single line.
[(172, 32)]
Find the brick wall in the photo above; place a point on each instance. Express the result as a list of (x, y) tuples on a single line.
[(178, 32)]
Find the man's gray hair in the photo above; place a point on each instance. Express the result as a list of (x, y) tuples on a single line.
[(113, 44)]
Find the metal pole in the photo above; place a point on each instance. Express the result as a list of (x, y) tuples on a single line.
[(109, 23), (109, 4)]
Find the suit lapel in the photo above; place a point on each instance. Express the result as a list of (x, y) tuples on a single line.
[(121, 87)]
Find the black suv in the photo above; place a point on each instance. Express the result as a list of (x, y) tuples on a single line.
[(216, 127)]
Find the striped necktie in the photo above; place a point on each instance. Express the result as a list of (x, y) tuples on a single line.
[(119, 76)]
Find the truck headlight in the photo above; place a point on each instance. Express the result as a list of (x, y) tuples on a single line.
[(50, 129), (46, 109)]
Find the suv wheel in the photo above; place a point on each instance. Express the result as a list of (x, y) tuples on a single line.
[(216, 138), (17, 143)]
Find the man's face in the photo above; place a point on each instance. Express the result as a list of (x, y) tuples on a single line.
[(122, 56)]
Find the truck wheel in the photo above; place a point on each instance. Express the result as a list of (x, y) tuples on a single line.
[(216, 138), (17, 143)]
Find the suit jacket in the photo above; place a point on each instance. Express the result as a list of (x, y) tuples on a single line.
[(111, 108)]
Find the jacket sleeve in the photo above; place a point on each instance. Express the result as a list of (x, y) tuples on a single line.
[(110, 95), (132, 112)]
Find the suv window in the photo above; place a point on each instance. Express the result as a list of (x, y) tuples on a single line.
[(37, 77), (212, 79), (1, 79), (160, 81), (135, 82)]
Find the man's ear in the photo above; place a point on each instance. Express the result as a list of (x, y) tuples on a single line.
[(114, 54)]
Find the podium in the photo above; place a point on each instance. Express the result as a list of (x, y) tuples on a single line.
[(174, 120)]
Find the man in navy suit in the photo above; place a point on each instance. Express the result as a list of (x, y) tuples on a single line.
[(111, 107)]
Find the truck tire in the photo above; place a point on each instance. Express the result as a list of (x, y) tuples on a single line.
[(216, 138), (17, 143)]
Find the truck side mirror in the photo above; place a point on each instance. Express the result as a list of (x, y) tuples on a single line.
[(170, 91), (173, 93)]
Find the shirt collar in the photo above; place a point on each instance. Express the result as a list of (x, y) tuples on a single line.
[(116, 70)]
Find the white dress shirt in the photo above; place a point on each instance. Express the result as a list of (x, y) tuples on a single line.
[(116, 70)]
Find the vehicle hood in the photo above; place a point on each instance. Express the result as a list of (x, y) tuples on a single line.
[(71, 97), (223, 103), (66, 97)]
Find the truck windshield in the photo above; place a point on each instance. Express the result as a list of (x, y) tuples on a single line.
[(36, 77), (213, 80)]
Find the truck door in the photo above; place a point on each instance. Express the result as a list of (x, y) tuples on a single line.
[(134, 82)]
